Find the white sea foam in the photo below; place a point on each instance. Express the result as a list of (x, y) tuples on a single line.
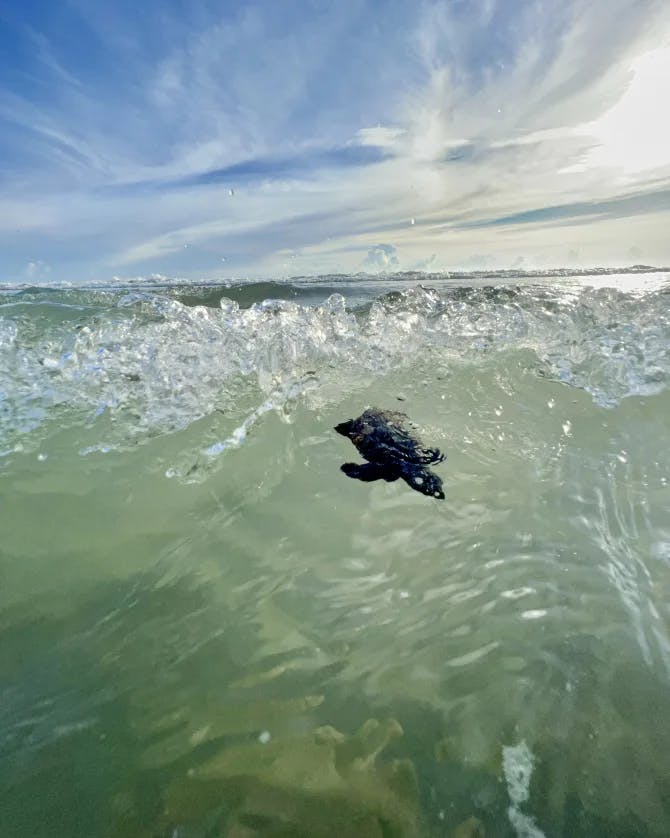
[(143, 363), (518, 763)]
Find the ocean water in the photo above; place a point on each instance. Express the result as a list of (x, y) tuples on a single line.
[(207, 629)]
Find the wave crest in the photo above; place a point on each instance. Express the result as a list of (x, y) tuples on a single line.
[(145, 363)]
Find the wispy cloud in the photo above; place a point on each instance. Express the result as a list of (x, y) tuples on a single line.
[(296, 138)]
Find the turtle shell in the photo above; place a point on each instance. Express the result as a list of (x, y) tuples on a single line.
[(387, 438)]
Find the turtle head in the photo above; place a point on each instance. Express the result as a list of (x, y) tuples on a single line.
[(344, 428)]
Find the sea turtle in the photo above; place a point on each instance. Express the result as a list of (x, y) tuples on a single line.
[(382, 437)]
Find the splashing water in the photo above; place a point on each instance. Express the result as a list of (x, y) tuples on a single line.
[(141, 363)]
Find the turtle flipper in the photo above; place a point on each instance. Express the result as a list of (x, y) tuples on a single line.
[(367, 472), (422, 479), (431, 455)]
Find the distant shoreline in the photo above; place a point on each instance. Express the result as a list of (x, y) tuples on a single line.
[(157, 281)]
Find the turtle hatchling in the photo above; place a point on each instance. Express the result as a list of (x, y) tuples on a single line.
[(385, 439)]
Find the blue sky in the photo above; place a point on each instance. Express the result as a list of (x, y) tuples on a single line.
[(224, 139)]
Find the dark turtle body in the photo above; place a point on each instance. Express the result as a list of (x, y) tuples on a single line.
[(385, 439)]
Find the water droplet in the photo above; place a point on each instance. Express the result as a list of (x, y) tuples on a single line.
[(41, 457), (622, 457), (498, 410), (567, 427), (412, 221), (231, 192), (265, 737), (404, 594), (551, 403)]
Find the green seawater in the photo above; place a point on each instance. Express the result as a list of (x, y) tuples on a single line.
[(207, 629)]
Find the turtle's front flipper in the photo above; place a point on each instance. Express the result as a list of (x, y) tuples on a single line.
[(422, 479), (370, 471), (430, 455)]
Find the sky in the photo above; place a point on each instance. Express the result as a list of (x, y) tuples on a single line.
[(296, 137)]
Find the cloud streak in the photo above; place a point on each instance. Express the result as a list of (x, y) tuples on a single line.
[(295, 140)]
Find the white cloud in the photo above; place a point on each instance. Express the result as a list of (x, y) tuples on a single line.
[(37, 269), (381, 257), (482, 112), (634, 135), (429, 264), (381, 135)]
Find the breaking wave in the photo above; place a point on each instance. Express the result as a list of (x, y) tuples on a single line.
[(138, 363)]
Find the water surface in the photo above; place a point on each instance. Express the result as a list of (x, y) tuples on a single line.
[(208, 630)]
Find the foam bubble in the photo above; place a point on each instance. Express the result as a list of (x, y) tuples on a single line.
[(141, 363), (524, 826), (518, 764)]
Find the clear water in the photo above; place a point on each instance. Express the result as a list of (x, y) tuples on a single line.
[(209, 630)]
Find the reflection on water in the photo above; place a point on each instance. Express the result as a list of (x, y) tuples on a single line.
[(256, 645)]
